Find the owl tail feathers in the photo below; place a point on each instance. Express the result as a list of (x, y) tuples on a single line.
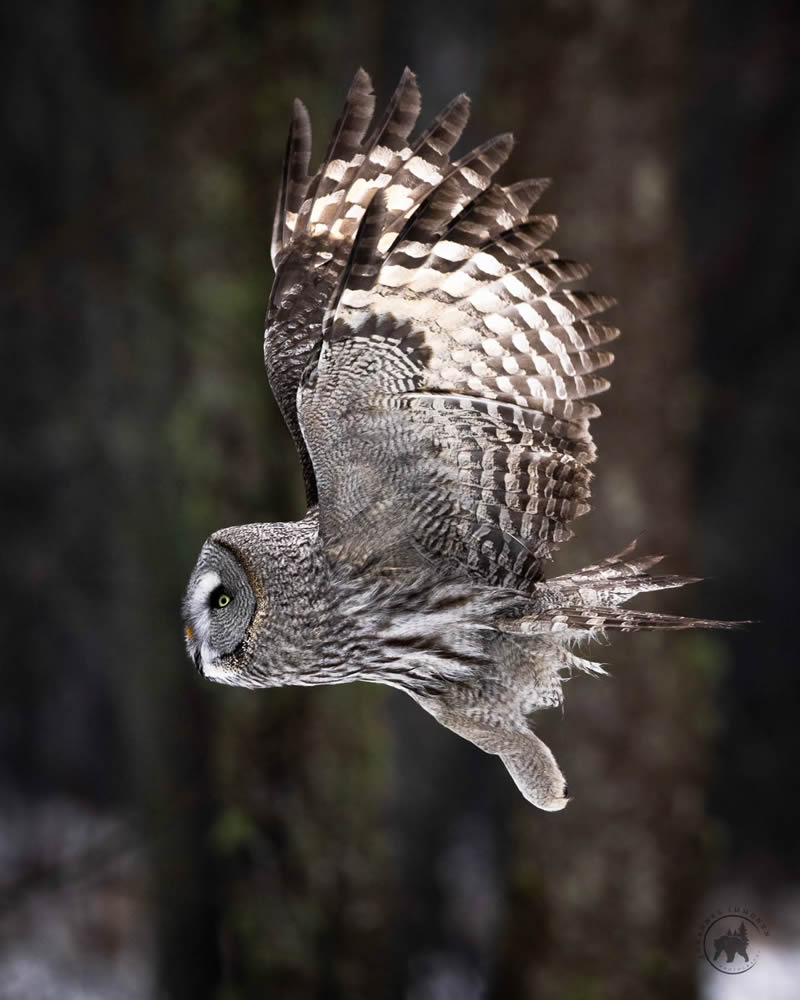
[(615, 580), (580, 622), (588, 600)]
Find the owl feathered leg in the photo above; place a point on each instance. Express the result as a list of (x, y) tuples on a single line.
[(536, 774), (529, 761), (491, 710)]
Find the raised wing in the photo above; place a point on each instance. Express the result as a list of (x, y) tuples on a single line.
[(317, 218), (447, 417)]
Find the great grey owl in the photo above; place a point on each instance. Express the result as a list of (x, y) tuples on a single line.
[(434, 370)]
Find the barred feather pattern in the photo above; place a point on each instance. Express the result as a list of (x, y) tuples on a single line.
[(504, 407), (587, 601), (317, 219), (436, 368)]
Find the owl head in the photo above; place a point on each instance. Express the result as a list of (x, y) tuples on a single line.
[(241, 609)]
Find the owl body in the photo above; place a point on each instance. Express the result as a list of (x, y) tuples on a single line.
[(434, 368), (319, 622)]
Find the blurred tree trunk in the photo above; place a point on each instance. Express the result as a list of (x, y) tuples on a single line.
[(142, 167), (93, 544), (742, 195), (277, 791), (605, 908), (334, 842)]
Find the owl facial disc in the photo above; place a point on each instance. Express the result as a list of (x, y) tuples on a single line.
[(217, 610)]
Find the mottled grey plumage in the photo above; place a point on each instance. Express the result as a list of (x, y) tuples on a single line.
[(434, 372)]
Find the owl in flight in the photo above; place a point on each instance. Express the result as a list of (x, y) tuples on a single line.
[(434, 367)]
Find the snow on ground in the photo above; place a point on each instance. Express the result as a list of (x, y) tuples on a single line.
[(74, 921)]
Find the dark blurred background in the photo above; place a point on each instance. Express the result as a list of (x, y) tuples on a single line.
[(162, 837)]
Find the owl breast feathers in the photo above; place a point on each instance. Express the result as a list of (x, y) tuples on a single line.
[(434, 367)]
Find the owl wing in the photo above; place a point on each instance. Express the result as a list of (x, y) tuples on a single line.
[(447, 416), (317, 219)]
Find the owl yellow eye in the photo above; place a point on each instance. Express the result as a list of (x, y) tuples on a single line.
[(219, 598)]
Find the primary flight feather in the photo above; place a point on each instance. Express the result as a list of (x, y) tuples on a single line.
[(435, 371)]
